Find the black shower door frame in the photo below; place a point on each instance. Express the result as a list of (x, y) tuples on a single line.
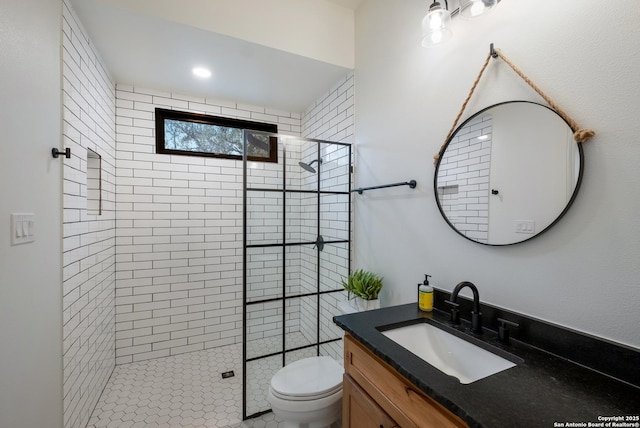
[(284, 244)]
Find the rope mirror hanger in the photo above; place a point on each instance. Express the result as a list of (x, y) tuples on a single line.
[(580, 135)]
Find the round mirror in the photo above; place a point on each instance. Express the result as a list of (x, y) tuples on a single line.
[(508, 173)]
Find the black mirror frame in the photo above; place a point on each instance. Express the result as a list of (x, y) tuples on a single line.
[(444, 149)]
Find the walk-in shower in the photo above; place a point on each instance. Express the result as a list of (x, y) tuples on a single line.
[(296, 250)]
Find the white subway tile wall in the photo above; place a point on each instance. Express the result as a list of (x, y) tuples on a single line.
[(330, 118), (88, 240), (179, 231), (179, 223), (463, 179)]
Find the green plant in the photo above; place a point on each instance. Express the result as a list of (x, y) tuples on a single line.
[(363, 284)]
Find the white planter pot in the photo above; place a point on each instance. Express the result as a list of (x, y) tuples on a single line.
[(360, 304)]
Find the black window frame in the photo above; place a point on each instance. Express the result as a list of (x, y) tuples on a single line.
[(162, 114)]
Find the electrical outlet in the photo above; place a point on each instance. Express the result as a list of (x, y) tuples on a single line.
[(525, 226)]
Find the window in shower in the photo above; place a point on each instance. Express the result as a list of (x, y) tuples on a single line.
[(193, 134), (296, 251)]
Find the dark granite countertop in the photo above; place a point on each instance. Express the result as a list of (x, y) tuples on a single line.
[(543, 390)]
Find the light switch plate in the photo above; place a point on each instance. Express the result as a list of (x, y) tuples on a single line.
[(23, 228), (525, 226)]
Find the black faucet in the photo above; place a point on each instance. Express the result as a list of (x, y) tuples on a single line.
[(476, 315)]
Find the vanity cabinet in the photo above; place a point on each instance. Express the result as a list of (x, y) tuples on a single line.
[(376, 395), (359, 410)]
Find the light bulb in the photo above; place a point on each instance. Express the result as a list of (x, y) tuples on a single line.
[(435, 21), (435, 26), (473, 8), (477, 8), (436, 37)]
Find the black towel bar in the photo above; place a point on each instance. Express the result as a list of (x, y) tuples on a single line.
[(411, 183)]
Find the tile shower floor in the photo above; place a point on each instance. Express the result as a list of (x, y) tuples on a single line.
[(184, 390)]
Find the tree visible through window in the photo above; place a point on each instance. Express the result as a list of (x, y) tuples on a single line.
[(195, 134)]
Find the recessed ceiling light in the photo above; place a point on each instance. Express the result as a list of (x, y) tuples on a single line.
[(483, 137), (201, 72)]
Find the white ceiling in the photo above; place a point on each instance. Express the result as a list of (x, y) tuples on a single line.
[(144, 48)]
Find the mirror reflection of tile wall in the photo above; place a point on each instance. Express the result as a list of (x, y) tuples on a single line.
[(463, 179)]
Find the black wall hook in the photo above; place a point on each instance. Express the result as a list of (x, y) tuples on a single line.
[(56, 153), (492, 51)]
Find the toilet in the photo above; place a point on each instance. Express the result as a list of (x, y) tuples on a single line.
[(307, 393)]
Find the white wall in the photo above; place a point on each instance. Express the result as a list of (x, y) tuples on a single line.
[(30, 181), (88, 240), (583, 273)]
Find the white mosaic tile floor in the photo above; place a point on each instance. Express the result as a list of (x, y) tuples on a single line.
[(185, 391)]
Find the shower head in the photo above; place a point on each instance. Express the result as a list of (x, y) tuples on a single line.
[(308, 167)]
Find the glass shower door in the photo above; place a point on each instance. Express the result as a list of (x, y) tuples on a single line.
[(296, 250)]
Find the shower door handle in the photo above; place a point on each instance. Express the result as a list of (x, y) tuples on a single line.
[(319, 243)]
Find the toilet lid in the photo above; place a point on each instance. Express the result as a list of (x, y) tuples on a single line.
[(309, 377)]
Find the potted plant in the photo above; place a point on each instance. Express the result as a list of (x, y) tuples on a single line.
[(365, 286)]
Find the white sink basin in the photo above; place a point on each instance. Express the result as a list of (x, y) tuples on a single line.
[(448, 353)]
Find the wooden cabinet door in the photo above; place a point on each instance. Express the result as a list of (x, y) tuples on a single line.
[(392, 393), (359, 410)]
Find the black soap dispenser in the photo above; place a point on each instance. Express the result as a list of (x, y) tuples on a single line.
[(425, 295)]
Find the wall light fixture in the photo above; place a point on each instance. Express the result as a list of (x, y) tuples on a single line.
[(476, 8), (436, 25)]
